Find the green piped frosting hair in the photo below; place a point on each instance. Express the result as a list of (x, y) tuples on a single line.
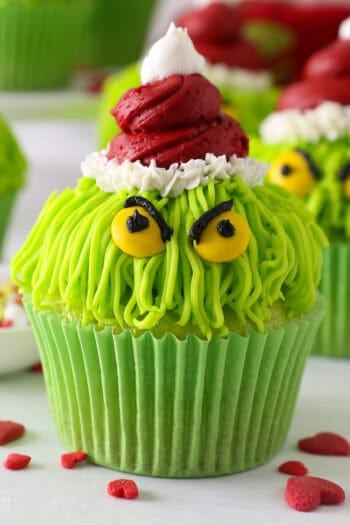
[(71, 265), (326, 201)]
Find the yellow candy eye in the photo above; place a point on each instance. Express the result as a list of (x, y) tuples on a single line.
[(294, 171), (139, 230), (344, 176), (220, 235), (229, 110)]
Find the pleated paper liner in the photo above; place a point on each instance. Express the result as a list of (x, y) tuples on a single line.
[(38, 43), (164, 407), (333, 338), (7, 201)]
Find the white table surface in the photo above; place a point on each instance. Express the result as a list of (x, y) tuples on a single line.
[(45, 493)]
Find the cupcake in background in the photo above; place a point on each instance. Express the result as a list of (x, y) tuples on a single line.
[(173, 296), (287, 33), (307, 142), (234, 63), (115, 33), (39, 42), (12, 171)]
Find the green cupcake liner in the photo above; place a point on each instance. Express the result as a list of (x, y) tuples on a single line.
[(115, 33), (164, 407), (333, 337), (7, 201), (38, 43)]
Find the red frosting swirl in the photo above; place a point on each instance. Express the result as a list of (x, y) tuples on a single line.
[(174, 120), (216, 33), (326, 77)]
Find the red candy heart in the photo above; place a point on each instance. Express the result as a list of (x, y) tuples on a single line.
[(70, 459), (294, 468), (16, 461), (325, 443), (9, 431), (307, 493), (123, 488)]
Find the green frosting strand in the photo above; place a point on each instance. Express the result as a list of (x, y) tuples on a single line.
[(326, 201), (72, 266), (12, 161)]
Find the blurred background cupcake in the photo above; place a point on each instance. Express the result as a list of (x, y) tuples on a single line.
[(39, 42), (308, 144), (288, 32), (234, 62), (12, 170), (115, 33)]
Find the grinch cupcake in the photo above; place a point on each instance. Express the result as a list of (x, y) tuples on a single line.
[(12, 169), (35, 52), (170, 292), (308, 145), (234, 63)]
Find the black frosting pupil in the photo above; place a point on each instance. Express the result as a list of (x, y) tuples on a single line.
[(286, 169), (225, 228), (136, 222)]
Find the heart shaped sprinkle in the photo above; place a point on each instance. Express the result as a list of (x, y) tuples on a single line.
[(70, 459), (16, 461), (123, 488), (325, 443), (9, 431), (294, 468), (307, 493)]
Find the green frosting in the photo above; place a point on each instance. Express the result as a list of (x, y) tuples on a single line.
[(250, 107), (71, 265), (12, 161), (326, 201)]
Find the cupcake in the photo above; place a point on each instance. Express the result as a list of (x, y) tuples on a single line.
[(173, 296), (308, 144), (288, 34), (35, 53), (234, 63), (12, 169), (115, 32)]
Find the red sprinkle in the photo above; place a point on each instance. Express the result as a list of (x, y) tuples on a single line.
[(123, 488), (306, 493), (70, 459), (16, 461), (9, 431), (325, 443), (18, 300), (294, 468), (6, 323), (37, 368)]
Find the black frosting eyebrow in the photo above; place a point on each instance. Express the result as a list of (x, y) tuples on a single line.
[(309, 162), (204, 220), (136, 200), (344, 171)]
